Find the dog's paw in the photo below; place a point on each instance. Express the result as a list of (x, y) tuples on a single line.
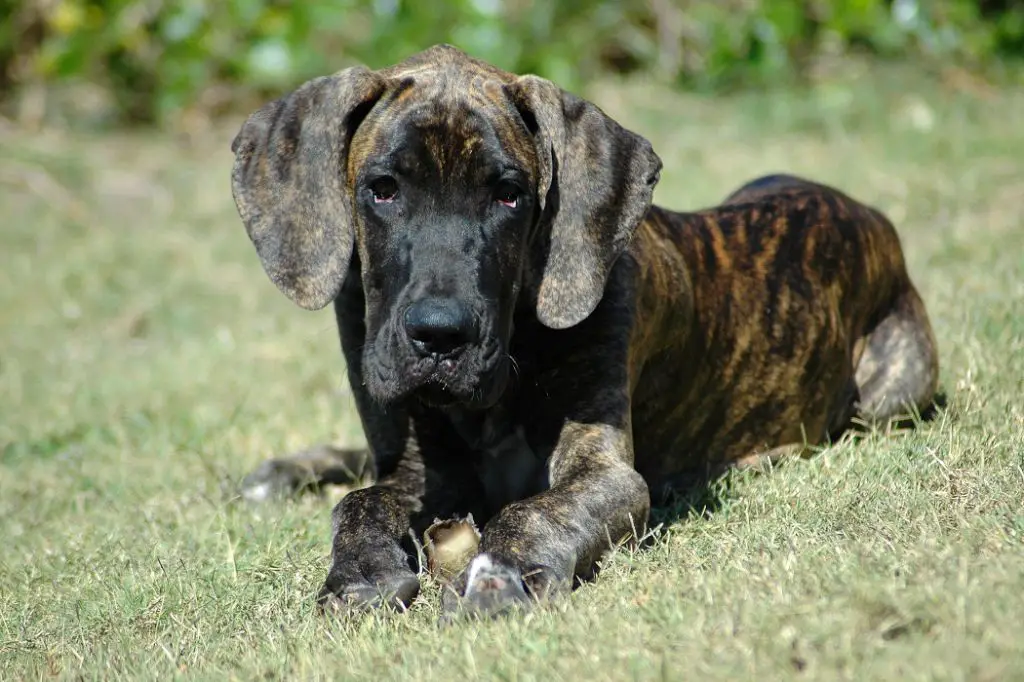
[(309, 470), (277, 479), (490, 586), (339, 597)]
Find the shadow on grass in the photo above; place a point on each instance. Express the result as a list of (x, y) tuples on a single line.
[(704, 497)]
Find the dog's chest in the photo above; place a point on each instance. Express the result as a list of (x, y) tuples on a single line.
[(508, 466), (510, 470)]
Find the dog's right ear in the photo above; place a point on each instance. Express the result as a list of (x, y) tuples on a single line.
[(290, 186), (597, 180)]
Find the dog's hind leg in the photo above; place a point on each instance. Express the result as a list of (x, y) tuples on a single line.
[(308, 470), (897, 373), (764, 461)]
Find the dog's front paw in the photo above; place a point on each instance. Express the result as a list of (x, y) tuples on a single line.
[(367, 574), (340, 596), (492, 585)]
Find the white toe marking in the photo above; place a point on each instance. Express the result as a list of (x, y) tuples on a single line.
[(480, 563)]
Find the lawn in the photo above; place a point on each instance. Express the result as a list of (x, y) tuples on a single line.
[(147, 364)]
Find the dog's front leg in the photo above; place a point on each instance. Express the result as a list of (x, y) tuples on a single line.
[(372, 557), (534, 548), (370, 566)]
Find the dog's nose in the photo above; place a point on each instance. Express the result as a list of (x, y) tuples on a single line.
[(438, 326)]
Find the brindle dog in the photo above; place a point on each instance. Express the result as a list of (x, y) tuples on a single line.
[(531, 341)]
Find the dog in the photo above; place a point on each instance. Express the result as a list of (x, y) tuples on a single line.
[(529, 340)]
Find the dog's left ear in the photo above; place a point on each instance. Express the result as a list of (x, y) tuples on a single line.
[(598, 178), (291, 187)]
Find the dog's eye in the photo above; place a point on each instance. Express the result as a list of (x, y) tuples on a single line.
[(384, 190), (507, 195)]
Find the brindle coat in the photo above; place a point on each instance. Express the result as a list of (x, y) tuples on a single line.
[(592, 350)]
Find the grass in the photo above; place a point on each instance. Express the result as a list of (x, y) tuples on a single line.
[(146, 364)]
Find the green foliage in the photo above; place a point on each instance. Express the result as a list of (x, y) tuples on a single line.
[(158, 57)]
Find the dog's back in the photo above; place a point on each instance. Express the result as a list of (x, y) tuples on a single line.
[(784, 283)]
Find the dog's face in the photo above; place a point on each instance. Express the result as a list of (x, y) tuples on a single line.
[(454, 181), (444, 196)]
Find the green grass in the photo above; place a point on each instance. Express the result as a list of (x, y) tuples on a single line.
[(146, 364)]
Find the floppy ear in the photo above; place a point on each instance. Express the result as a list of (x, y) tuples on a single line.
[(596, 182), (290, 186)]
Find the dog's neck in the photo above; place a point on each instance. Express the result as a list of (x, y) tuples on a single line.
[(481, 429)]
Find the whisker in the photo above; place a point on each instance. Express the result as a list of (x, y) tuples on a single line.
[(514, 363)]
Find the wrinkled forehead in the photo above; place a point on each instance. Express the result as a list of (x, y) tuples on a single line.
[(444, 123)]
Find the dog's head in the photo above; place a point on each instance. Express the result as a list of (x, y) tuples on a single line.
[(454, 181)]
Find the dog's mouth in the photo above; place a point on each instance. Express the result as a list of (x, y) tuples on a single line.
[(437, 381), (473, 376), (450, 381)]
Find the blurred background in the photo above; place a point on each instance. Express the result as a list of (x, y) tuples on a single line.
[(179, 62)]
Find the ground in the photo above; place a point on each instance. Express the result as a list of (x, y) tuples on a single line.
[(146, 364)]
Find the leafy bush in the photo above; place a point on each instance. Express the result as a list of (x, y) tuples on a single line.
[(155, 58)]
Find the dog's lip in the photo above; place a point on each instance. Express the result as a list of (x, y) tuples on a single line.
[(440, 374), (438, 387), (437, 368), (434, 377)]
